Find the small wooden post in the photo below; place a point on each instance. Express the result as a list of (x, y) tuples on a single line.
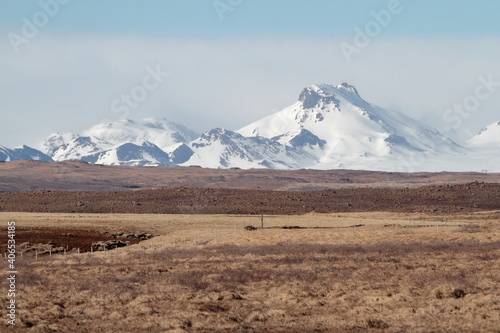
[(36, 255), (262, 221)]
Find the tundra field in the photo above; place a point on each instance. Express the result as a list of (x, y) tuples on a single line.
[(335, 272), (118, 249)]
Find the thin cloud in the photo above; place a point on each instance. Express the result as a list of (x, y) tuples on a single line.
[(69, 84)]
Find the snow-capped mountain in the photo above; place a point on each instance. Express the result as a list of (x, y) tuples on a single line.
[(482, 153), (329, 127), (340, 129), (22, 153), (158, 131), (80, 147), (129, 154), (122, 142), (220, 148), (487, 138), (56, 140)]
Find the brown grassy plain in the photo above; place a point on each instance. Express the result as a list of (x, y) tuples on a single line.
[(343, 272)]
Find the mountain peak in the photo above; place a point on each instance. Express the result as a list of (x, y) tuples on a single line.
[(158, 131), (312, 95), (324, 89), (347, 87)]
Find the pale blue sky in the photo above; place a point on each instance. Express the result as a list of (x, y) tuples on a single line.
[(228, 73), (421, 18)]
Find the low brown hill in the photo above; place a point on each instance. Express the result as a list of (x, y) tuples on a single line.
[(23, 176), (440, 199)]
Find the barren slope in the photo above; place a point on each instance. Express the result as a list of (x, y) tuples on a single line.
[(185, 200), (76, 176)]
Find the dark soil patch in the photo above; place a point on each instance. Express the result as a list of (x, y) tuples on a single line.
[(70, 239)]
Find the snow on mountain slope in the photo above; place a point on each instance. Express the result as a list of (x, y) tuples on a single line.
[(22, 153), (155, 130), (340, 129), (80, 147), (129, 154), (220, 148), (483, 152), (487, 138), (123, 142), (56, 140), (179, 153)]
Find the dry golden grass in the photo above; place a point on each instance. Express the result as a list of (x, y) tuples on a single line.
[(391, 273)]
